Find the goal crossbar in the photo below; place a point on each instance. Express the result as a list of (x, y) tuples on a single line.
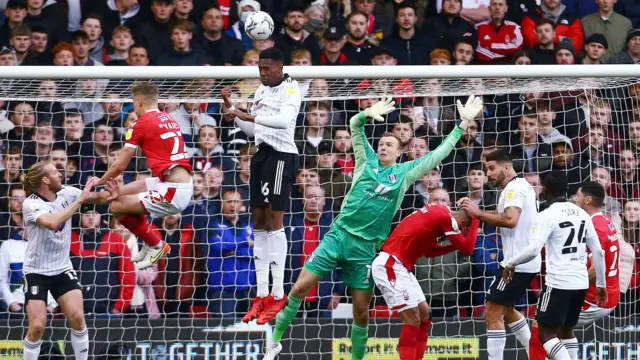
[(318, 72)]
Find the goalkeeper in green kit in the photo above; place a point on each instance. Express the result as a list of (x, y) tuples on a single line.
[(364, 222)]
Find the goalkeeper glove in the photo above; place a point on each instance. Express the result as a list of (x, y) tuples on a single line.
[(469, 111), (382, 107)]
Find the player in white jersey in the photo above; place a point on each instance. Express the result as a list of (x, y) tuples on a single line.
[(274, 167), (47, 267), (565, 231), (517, 212)]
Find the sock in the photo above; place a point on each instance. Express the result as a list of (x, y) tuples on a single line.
[(521, 330), (408, 341), (31, 350), (278, 256), (284, 318), (572, 347), (536, 350), (495, 343), (556, 350), (261, 259), (140, 227), (359, 337), (80, 343), (423, 336)]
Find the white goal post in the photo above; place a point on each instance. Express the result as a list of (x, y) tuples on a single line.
[(423, 94)]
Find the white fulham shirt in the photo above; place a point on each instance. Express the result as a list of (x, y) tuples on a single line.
[(283, 103), (566, 231), (48, 251), (519, 194)]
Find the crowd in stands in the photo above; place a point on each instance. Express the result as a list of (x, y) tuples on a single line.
[(590, 134)]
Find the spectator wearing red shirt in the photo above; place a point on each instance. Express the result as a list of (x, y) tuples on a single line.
[(565, 23), (305, 232), (625, 182), (344, 150), (178, 273), (498, 39), (103, 264)]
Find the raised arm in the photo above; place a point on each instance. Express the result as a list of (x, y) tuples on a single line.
[(120, 165), (467, 113), (465, 243), (53, 221), (288, 111)]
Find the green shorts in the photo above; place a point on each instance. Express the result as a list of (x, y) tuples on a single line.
[(354, 255)]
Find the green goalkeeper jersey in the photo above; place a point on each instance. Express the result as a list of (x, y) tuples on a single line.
[(377, 191)]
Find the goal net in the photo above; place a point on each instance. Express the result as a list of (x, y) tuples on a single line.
[(582, 120)]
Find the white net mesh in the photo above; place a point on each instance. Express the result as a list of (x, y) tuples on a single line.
[(190, 306)]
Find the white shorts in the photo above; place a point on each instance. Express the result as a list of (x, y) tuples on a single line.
[(165, 198), (399, 287), (592, 314)]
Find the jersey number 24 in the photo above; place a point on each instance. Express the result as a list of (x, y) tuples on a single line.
[(568, 247)]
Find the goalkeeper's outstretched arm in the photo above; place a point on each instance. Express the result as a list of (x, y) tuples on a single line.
[(421, 166)]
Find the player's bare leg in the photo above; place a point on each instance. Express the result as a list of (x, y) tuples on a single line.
[(360, 325), (536, 350), (278, 246), (552, 345), (71, 305), (37, 314), (131, 214), (494, 316), (519, 326), (262, 259), (306, 281), (415, 323), (568, 338)]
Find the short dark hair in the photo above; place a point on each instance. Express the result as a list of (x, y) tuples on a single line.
[(405, 5), (294, 6), (555, 183), (79, 35), (272, 54), (339, 128), (39, 29), (475, 166), (501, 155), (544, 21), (403, 119), (595, 190), (92, 16)]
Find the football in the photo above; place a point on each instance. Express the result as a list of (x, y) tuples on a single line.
[(259, 26)]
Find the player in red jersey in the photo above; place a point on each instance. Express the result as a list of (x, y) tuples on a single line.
[(169, 192), (590, 197), (416, 236)]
